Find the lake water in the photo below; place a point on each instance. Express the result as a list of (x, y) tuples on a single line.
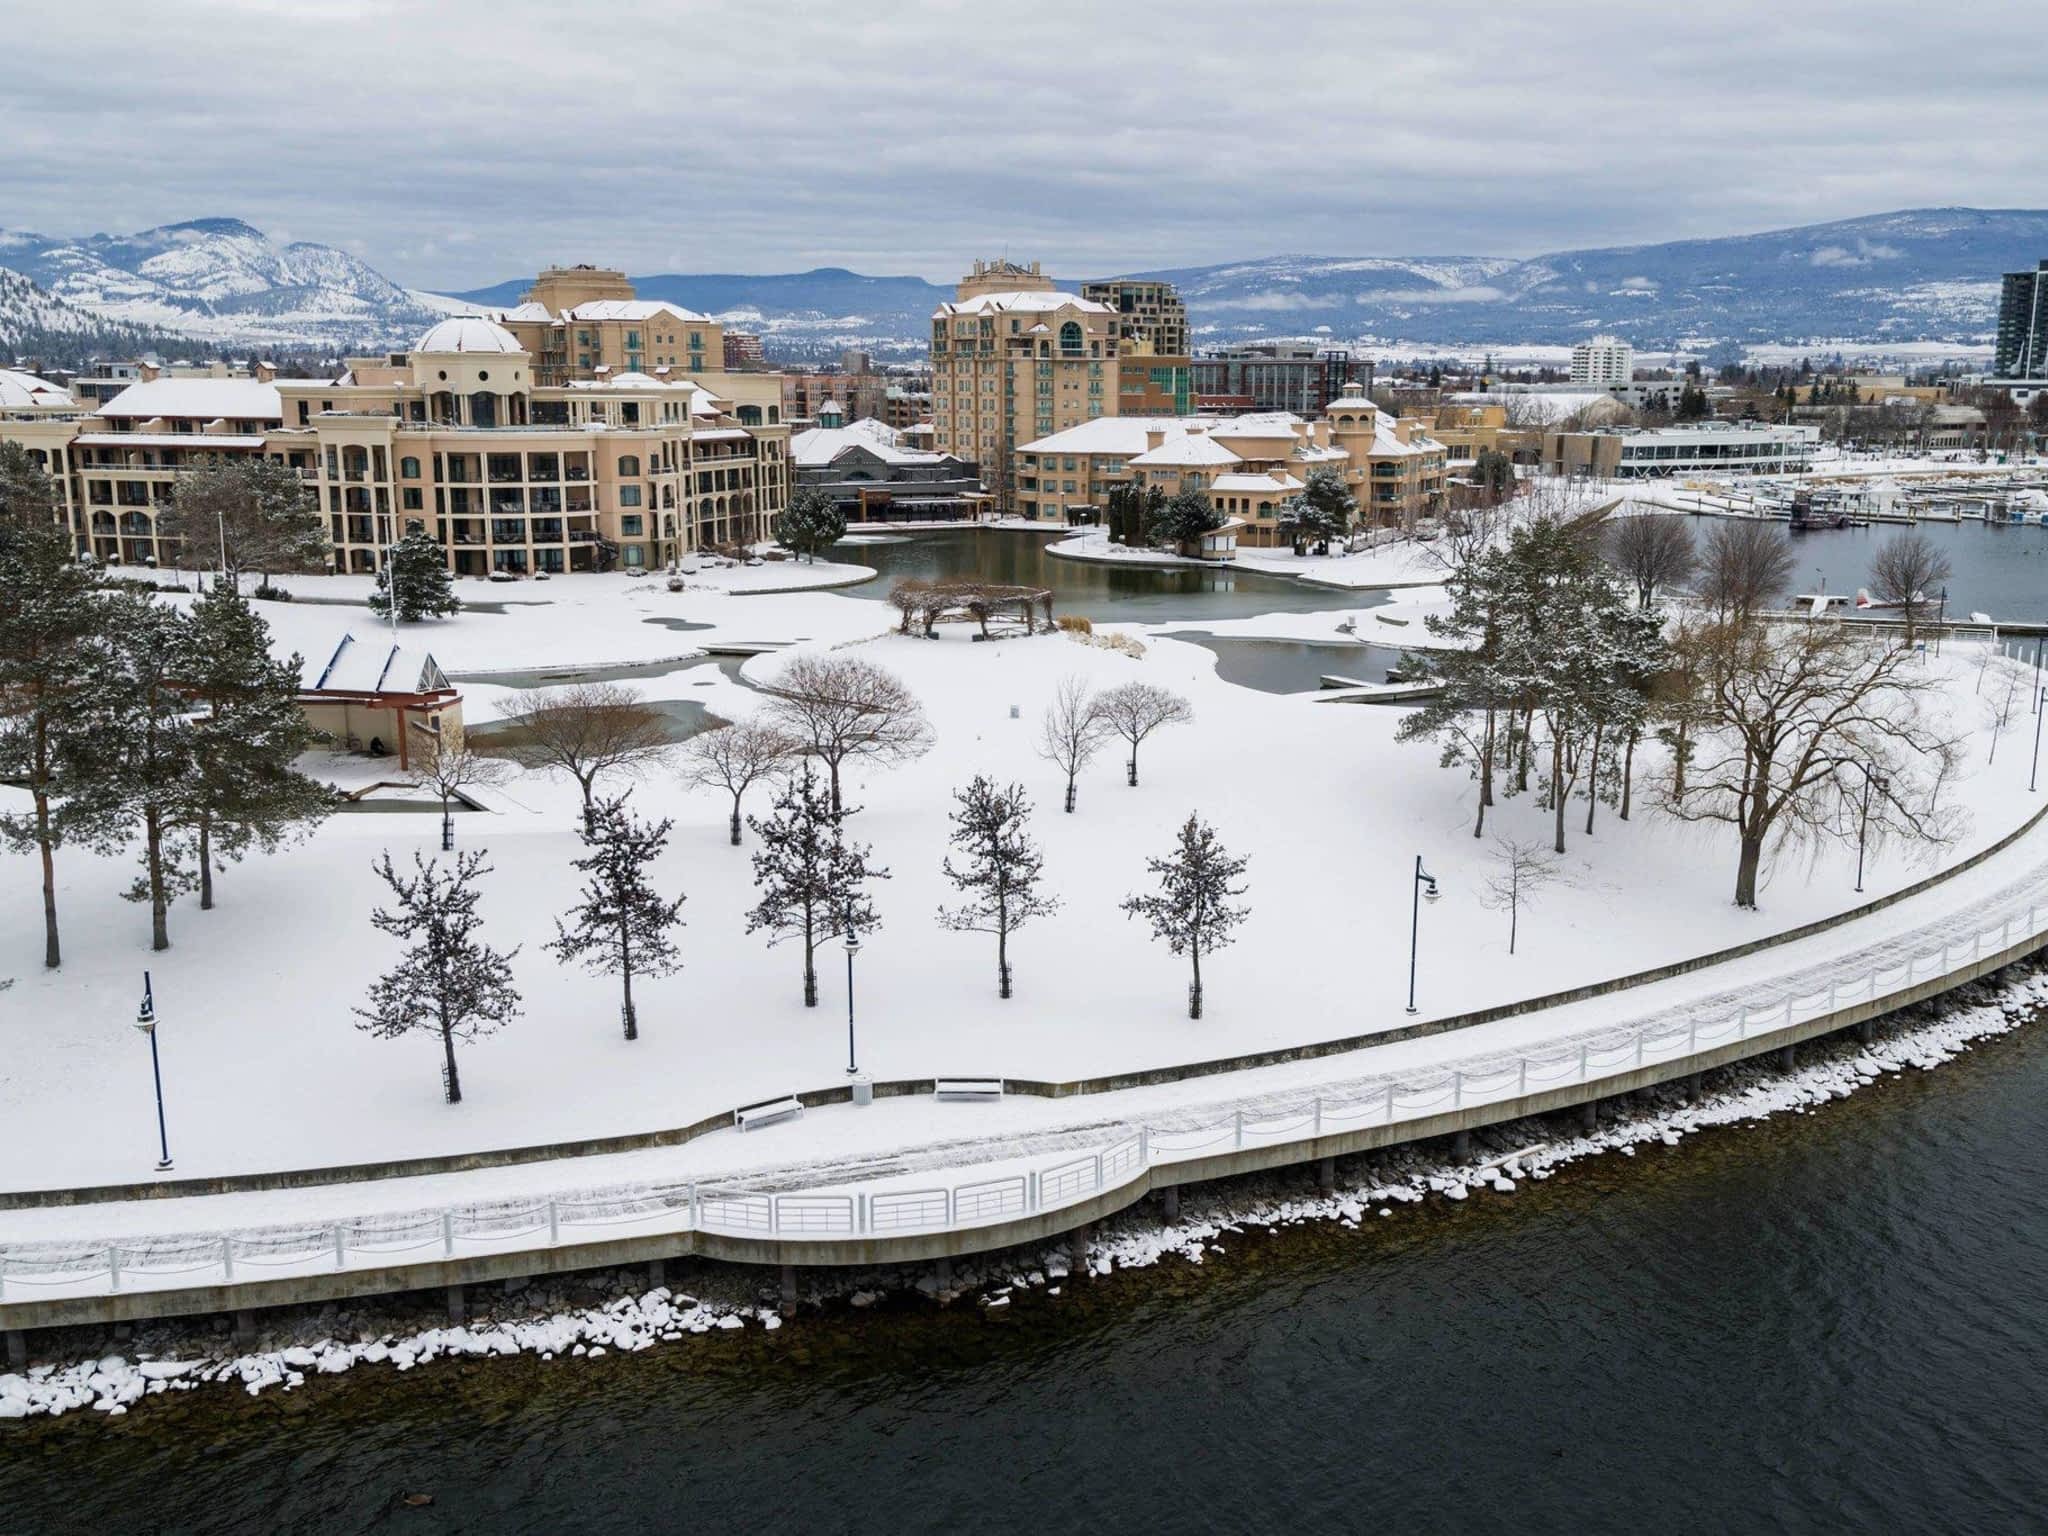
[(1830, 1321), (1999, 570)]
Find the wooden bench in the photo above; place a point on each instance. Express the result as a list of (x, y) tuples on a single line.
[(768, 1113), (979, 1089)]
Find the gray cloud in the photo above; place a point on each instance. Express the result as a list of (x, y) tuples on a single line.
[(465, 141)]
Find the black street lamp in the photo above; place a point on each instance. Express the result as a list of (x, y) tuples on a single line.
[(1863, 822), (1425, 885), (145, 1020), (2040, 709), (852, 949)]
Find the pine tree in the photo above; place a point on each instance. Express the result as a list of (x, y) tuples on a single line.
[(1000, 871), (621, 927), (1184, 519), (1193, 909), (810, 878), (245, 745), (416, 571), (448, 980), (811, 524), (145, 760), (54, 664)]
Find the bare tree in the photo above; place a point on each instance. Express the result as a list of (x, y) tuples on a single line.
[(1520, 870), (589, 730), (840, 707), (1652, 552), (1786, 711), (1905, 573), (1072, 731), (1135, 710), (444, 762), (255, 514), (1745, 567), (736, 757)]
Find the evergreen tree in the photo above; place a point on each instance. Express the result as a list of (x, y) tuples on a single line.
[(1326, 494), (810, 878), (416, 572), (1000, 870), (54, 665), (448, 980), (1494, 472), (1185, 518), (245, 745), (146, 759), (621, 927), (28, 497), (253, 513), (811, 524), (1193, 910)]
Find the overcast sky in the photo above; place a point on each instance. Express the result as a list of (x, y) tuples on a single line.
[(459, 142)]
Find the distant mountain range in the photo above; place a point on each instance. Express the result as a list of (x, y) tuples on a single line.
[(1926, 275)]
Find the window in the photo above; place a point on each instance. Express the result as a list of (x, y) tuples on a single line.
[(410, 499), (409, 468), (629, 495), (635, 556), (630, 526), (629, 464), (1070, 336)]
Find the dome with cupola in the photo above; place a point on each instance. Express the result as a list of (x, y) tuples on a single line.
[(468, 333)]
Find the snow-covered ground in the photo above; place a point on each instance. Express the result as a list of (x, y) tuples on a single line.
[(1402, 564), (263, 1068)]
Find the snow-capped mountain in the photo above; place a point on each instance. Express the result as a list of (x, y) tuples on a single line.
[(37, 326), (224, 281)]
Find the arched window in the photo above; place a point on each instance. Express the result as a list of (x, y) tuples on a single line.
[(750, 415), (629, 464), (409, 468), (1070, 336)]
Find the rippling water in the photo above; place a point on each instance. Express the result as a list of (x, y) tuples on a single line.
[(1829, 1321)]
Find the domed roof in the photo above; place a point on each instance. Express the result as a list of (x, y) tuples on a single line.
[(468, 333)]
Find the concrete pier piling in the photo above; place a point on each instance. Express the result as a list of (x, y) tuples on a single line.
[(657, 1274), (17, 1348), (1326, 1174), (943, 1275), (245, 1328), (1077, 1251), (1786, 1058), (1589, 1117), (789, 1290), (1169, 1202), (1461, 1147), (458, 1304), (1867, 1031)]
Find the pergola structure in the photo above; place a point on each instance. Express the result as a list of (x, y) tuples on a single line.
[(927, 604)]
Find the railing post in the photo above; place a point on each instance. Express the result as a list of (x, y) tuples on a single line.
[(1742, 1025), (1239, 1117), (1639, 1047), (554, 1224), (1031, 1188), (113, 1268), (952, 1204), (448, 1233), (1319, 1115), (696, 1217), (1831, 994), (1098, 1170), (1145, 1141), (1390, 1103), (860, 1213), (227, 1256), (340, 1252), (1522, 1082), (1585, 1063), (1692, 1034)]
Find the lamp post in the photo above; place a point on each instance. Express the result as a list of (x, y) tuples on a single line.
[(145, 1020), (2040, 709), (852, 949), (1863, 822), (1425, 885)]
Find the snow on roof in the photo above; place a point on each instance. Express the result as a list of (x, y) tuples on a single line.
[(1038, 302), (1255, 482), (19, 389), (371, 666), (1192, 448), (1259, 424), (529, 311), (468, 333), (210, 441), (1117, 434), (633, 309), (200, 399), (817, 447)]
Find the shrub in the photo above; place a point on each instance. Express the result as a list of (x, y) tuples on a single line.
[(270, 594), (1076, 624)]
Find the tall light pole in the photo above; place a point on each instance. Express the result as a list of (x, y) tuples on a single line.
[(852, 949), (145, 1020), (2040, 709), (1425, 885), (1863, 822)]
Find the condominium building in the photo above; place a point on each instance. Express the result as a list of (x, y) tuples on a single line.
[(2023, 325), (1014, 359), (1603, 360), (806, 392), (743, 351), (1152, 311), (1274, 376), (1249, 466), (454, 435), (585, 322)]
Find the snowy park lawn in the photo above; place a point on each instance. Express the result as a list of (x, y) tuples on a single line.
[(263, 1068)]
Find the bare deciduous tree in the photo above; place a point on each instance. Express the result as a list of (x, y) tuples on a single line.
[(1135, 710), (1653, 552), (1786, 710), (589, 730), (1906, 572), (840, 707), (444, 762), (1745, 567), (1520, 870), (1072, 731), (736, 757)]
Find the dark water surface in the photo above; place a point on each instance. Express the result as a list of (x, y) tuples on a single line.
[(1831, 1321), (1999, 570)]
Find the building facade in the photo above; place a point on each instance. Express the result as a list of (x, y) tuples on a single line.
[(1152, 312), (2023, 325), (873, 475), (1274, 376), (1603, 360), (1714, 448)]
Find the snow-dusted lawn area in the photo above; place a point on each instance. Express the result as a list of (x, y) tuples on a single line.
[(263, 1068)]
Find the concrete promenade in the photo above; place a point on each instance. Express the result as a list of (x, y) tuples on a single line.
[(889, 1190)]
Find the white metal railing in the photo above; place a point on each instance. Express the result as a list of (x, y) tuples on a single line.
[(29, 1271)]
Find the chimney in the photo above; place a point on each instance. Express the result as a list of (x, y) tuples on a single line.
[(1154, 437), (266, 371), (147, 371)]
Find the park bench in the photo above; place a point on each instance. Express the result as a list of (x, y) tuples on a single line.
[(766, 1114), (980, 1089)]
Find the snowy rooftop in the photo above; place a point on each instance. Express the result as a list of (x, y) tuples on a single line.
[(200, 399), (1256, 482), (634, 309), (468, 333), (820, 446), (371, 666), (1033, 303), (211, 441), (19, 389), (1190, 448)]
